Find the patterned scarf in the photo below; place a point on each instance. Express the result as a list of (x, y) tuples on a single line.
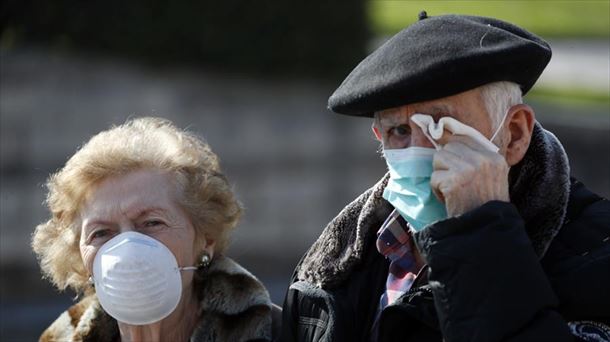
[(394, 242)]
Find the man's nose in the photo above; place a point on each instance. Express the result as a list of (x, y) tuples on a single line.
[(419, 139)]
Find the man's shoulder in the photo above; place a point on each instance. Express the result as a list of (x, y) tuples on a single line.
[(587, 223), (586, 226), (578, 259), (342, 244), (584, 202)]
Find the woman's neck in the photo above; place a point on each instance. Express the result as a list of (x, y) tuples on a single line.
[(178, 326)]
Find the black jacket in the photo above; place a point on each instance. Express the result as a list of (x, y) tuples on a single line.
[(530, 270)]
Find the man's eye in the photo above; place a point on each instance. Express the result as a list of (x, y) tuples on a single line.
[(399, 131)]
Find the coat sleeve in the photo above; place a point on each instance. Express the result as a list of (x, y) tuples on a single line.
[(289, 317), (305, 317), (487, 281)]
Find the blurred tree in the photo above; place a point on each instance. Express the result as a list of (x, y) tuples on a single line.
[(263, 36), (548, 18)]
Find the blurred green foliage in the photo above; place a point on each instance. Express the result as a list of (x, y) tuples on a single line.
[(547, 18), (262, 36), (571, 96)]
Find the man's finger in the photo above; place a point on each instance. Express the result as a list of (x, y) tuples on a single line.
[(468, 141), (445, 138), (437, 180), (462, 151), (447, 160)]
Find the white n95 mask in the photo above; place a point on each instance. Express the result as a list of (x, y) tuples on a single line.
[(137, 279)]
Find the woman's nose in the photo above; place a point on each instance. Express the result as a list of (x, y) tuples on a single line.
[(126, 227)]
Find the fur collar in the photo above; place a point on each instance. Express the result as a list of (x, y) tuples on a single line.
[(235, 306), (539, 188)]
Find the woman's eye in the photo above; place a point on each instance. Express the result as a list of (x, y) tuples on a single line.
[(99, 234), (152, 223)]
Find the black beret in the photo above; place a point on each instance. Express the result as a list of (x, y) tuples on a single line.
[(438, 57)]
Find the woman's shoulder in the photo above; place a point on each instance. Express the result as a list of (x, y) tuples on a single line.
[(225, 278), (235, 305), (82, 320), (63, 328)]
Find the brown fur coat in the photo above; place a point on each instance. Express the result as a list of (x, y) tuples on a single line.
[(235, 306)]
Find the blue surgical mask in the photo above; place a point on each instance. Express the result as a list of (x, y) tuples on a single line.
[(408, 188)]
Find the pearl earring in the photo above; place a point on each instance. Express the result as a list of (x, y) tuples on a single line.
[(205, 261)]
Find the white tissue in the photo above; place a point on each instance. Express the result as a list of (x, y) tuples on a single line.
[(434, 131)]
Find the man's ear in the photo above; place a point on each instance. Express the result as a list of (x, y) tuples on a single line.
[(520, 125), (376, 132)]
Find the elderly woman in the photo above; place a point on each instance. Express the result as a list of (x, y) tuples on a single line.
[(140, 217)]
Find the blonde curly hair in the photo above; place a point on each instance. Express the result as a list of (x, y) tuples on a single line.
[(142, 143)]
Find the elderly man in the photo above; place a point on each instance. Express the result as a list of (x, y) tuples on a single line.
[(477, 232)]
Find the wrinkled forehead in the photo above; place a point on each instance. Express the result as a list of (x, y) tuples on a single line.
[(402, 114), (461, 106), (131, 193)]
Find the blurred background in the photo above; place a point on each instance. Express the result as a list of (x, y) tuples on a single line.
[(252, 77)]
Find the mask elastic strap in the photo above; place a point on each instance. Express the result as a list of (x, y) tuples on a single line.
[(204, 263), (499, 127), (188, 268)]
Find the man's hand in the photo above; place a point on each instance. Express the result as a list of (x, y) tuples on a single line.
[(466, 175)]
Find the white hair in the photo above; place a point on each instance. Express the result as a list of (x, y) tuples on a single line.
[(498, 97)]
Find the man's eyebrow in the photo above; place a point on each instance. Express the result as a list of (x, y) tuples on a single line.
[(443, 107), (432, 109), (440, 108), (392, 120)]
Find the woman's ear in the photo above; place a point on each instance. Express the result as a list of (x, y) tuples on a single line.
[(209, 248), (205, 246), (520, 125)]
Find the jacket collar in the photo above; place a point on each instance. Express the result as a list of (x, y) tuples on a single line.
[(539, 188), (234, 306)]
